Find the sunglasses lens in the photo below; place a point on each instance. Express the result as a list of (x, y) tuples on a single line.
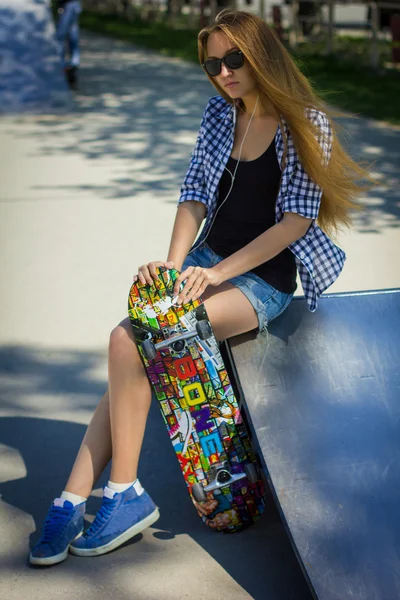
[(235, 60), (213, 66)]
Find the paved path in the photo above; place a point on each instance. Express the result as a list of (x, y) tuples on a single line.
[(85, 199)]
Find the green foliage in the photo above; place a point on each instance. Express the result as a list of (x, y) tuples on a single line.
[(344, 80), (355, 89), (156, 35)]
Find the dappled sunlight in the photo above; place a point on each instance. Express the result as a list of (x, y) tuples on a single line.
[(129, 118), (12, 465), (373, 150), (51, 383), (377, 146), (40, 431), (135, 122)]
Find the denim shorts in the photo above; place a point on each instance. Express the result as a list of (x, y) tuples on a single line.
[(267, 302)]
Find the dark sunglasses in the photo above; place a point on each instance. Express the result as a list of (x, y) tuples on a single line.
[(233, 60)]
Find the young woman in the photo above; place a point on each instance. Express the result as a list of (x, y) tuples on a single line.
[(270, 178)]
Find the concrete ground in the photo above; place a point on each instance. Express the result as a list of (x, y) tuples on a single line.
[(85, 199)]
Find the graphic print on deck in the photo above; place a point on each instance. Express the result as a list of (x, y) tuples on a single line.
[(198, 405)]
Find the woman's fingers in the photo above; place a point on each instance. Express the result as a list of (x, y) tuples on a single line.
[(200, 292), (196, 281), (144, 275), (153, 268), (187, 284), (181, 278), (148, 273), (193, 280), (194, 291)]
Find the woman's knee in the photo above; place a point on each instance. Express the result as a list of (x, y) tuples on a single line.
[(122, 339)]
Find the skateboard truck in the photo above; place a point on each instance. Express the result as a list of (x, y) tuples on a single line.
[(222, 477), (174, 339), (176, 342)]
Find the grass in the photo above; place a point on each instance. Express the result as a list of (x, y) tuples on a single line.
[(344, 79), (158, 36)]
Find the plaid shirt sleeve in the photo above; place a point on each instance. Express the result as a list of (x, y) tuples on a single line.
[(194, 185), (304, 195)]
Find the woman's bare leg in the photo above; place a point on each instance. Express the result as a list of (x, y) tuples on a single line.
[(94, 453), (229, 311), (122, 420), (117, 428), (122, 413), (130, 398)]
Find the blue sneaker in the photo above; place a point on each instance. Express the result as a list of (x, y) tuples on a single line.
[(120, 518), (63, 523)]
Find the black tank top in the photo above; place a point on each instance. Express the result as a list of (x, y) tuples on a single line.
[(250, 211)]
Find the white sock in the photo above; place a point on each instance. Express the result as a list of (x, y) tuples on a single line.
[(112, 488), (73, 498)]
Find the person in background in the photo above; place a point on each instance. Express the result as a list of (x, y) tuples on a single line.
[(67, 29)]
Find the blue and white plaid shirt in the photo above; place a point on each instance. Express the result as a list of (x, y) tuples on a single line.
[(319, 261)]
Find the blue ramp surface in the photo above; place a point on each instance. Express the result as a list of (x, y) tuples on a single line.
[(323, 392), (31, 74)]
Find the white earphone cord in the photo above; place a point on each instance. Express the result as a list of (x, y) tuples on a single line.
[(234, 173)]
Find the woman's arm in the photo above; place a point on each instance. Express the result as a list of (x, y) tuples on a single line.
[(192, 209), (267, 245), (189, 217)]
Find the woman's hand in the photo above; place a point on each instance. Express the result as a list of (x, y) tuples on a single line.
[(147, 273), (197, 280)]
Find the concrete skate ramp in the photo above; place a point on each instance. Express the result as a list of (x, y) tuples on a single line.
[(31, 76), (323, 391)]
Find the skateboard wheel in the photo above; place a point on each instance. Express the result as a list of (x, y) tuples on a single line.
[(201, 314), (251, 472), (223, 476), (140, 335), (204, 330), (198, 492), (149, 349), (178, 346)]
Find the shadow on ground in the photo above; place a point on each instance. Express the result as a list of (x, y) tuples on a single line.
[(259, 559), (143, 111)]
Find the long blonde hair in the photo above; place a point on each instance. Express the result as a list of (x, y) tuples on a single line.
[(283, 87)]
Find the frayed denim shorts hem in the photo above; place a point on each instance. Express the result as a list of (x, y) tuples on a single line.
[(267, 301)]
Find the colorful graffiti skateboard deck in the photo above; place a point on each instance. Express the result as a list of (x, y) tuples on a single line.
[(201, 413)]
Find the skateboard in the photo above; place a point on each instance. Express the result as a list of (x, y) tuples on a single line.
[(192, 387)]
